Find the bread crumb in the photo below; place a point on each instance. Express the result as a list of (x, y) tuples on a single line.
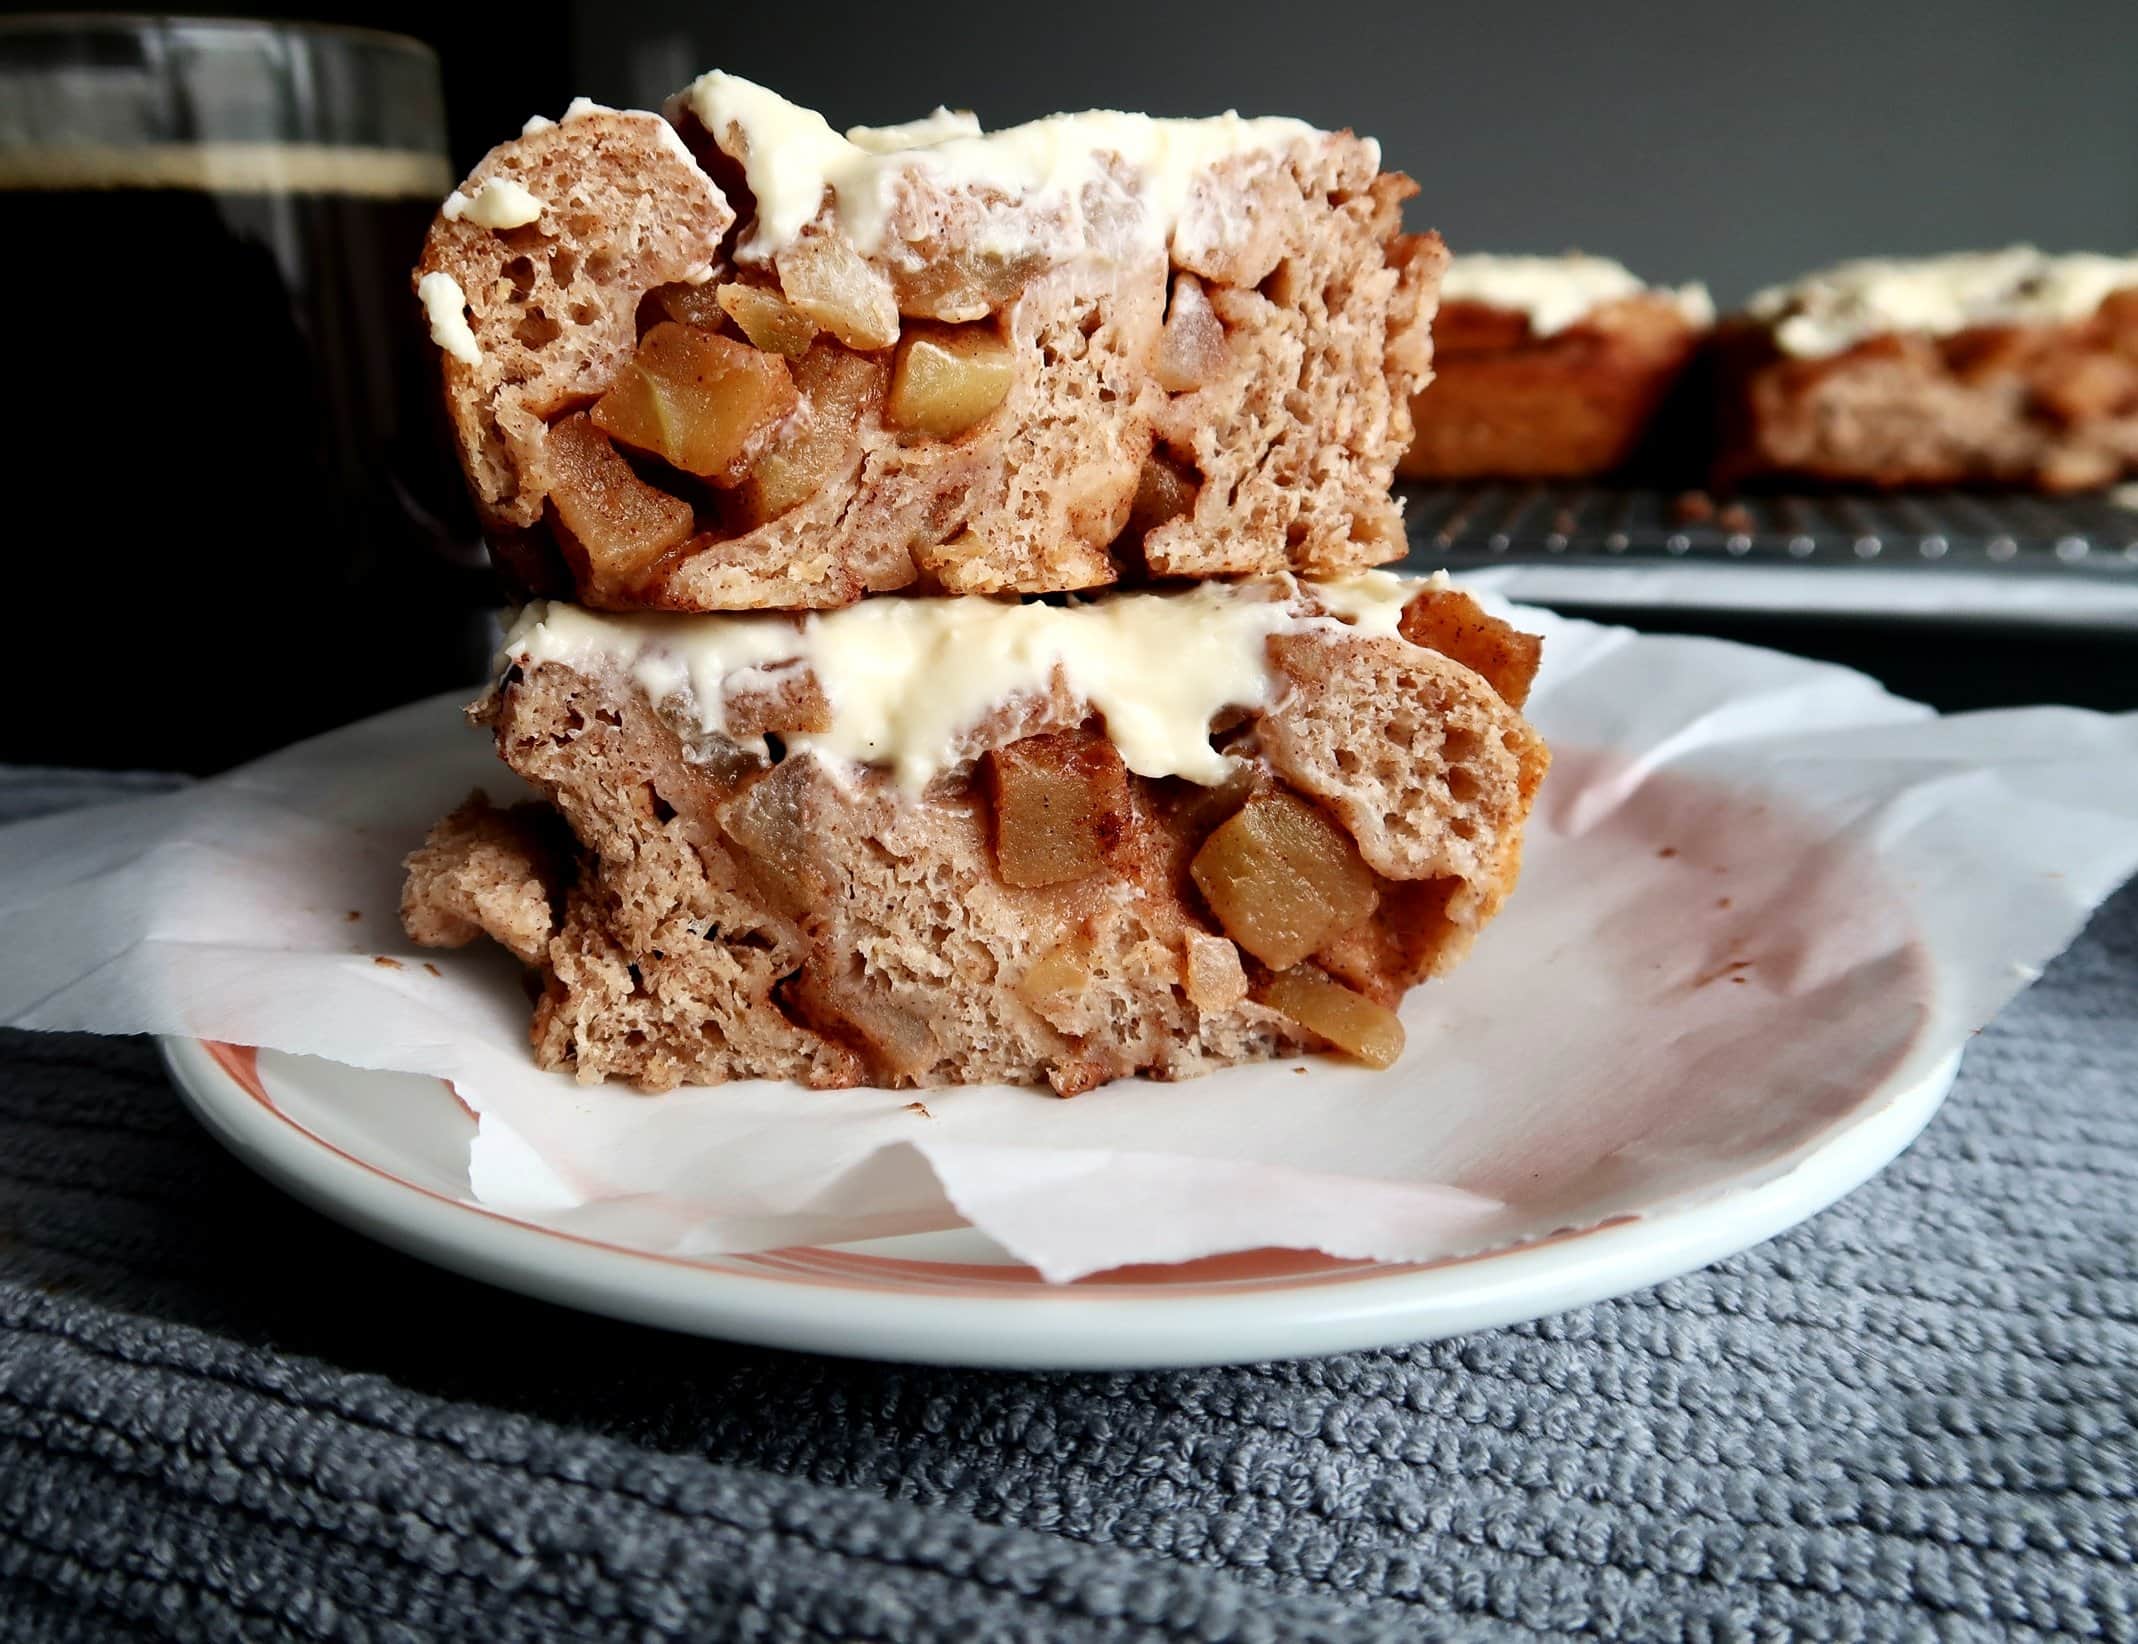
[(1667, 852), (389, 964), (921, 1108), (1729, 970), (433, 969), (354, 914)]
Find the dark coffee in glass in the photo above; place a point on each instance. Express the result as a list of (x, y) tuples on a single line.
[(233, 498)]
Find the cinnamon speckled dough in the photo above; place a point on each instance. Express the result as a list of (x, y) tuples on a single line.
[(1318, 305), (727, 917), (2049, 407), (553, 304)]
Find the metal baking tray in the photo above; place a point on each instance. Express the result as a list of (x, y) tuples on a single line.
[(1947, 556)]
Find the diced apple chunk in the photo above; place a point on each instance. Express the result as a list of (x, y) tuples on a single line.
[(831, 282), (1212, 976), (1282, 878), (946, 381), (840, 388), (687, 304), (1061, 807), (1191, 347), (1164, 490), (776, 823), (953, 562), (965, 283), (1064, 970), (1350, 1021), (897, 1042), (768, 319), (616, 520), (700, 402)]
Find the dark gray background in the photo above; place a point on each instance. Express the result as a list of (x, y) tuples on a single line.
[(1739, 144)]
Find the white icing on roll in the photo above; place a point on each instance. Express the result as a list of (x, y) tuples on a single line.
[(1839, 307), (444, 303), (1556, 292), (499, 203), (791, 156), (904, 677)]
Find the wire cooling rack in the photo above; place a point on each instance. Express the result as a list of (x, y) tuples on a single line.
[(1952, 555)]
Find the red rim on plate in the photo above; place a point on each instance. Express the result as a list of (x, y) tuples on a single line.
[(854, 1269), (875, 1303)]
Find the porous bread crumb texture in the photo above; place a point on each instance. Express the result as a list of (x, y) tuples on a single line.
[(727, 916), (554, 304), (486, 871), (1590, 399), (2051, 407), (1431, 776), (1289, 428)]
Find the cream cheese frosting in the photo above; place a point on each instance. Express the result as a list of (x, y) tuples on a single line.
[(445, 305), (905, 677), (1839, 307), (499, 203), (791, 156), (1556, 292)]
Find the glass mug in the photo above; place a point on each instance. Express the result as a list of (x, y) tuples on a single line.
[(235, 519)]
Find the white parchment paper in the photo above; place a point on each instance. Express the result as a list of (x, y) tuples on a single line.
[(1756, 888)]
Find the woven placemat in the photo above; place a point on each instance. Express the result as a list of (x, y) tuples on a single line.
[(224, 1417)]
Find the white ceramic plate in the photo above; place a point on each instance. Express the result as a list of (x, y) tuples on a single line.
[(386, 1153)]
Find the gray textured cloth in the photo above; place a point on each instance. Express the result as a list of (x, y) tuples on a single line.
[(223, 1417)]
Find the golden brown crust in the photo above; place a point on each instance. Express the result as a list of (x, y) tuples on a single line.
[(2050, 407), (1505, 404)]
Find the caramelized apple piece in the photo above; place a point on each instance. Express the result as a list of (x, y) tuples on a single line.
[(965, 284), (1282, 878), (700, 402), (1449, 621), (1211, 973), (952, 562), (1164, 490), (831, 282), (1061, 806), (1982, 353), (1063, 970), (897, 1042), (767, 319), (946, 381), (772, 821), (695, 305), (1351, 1022), (1409, 937), (620, 523), (1191, 348), (840, 388)]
